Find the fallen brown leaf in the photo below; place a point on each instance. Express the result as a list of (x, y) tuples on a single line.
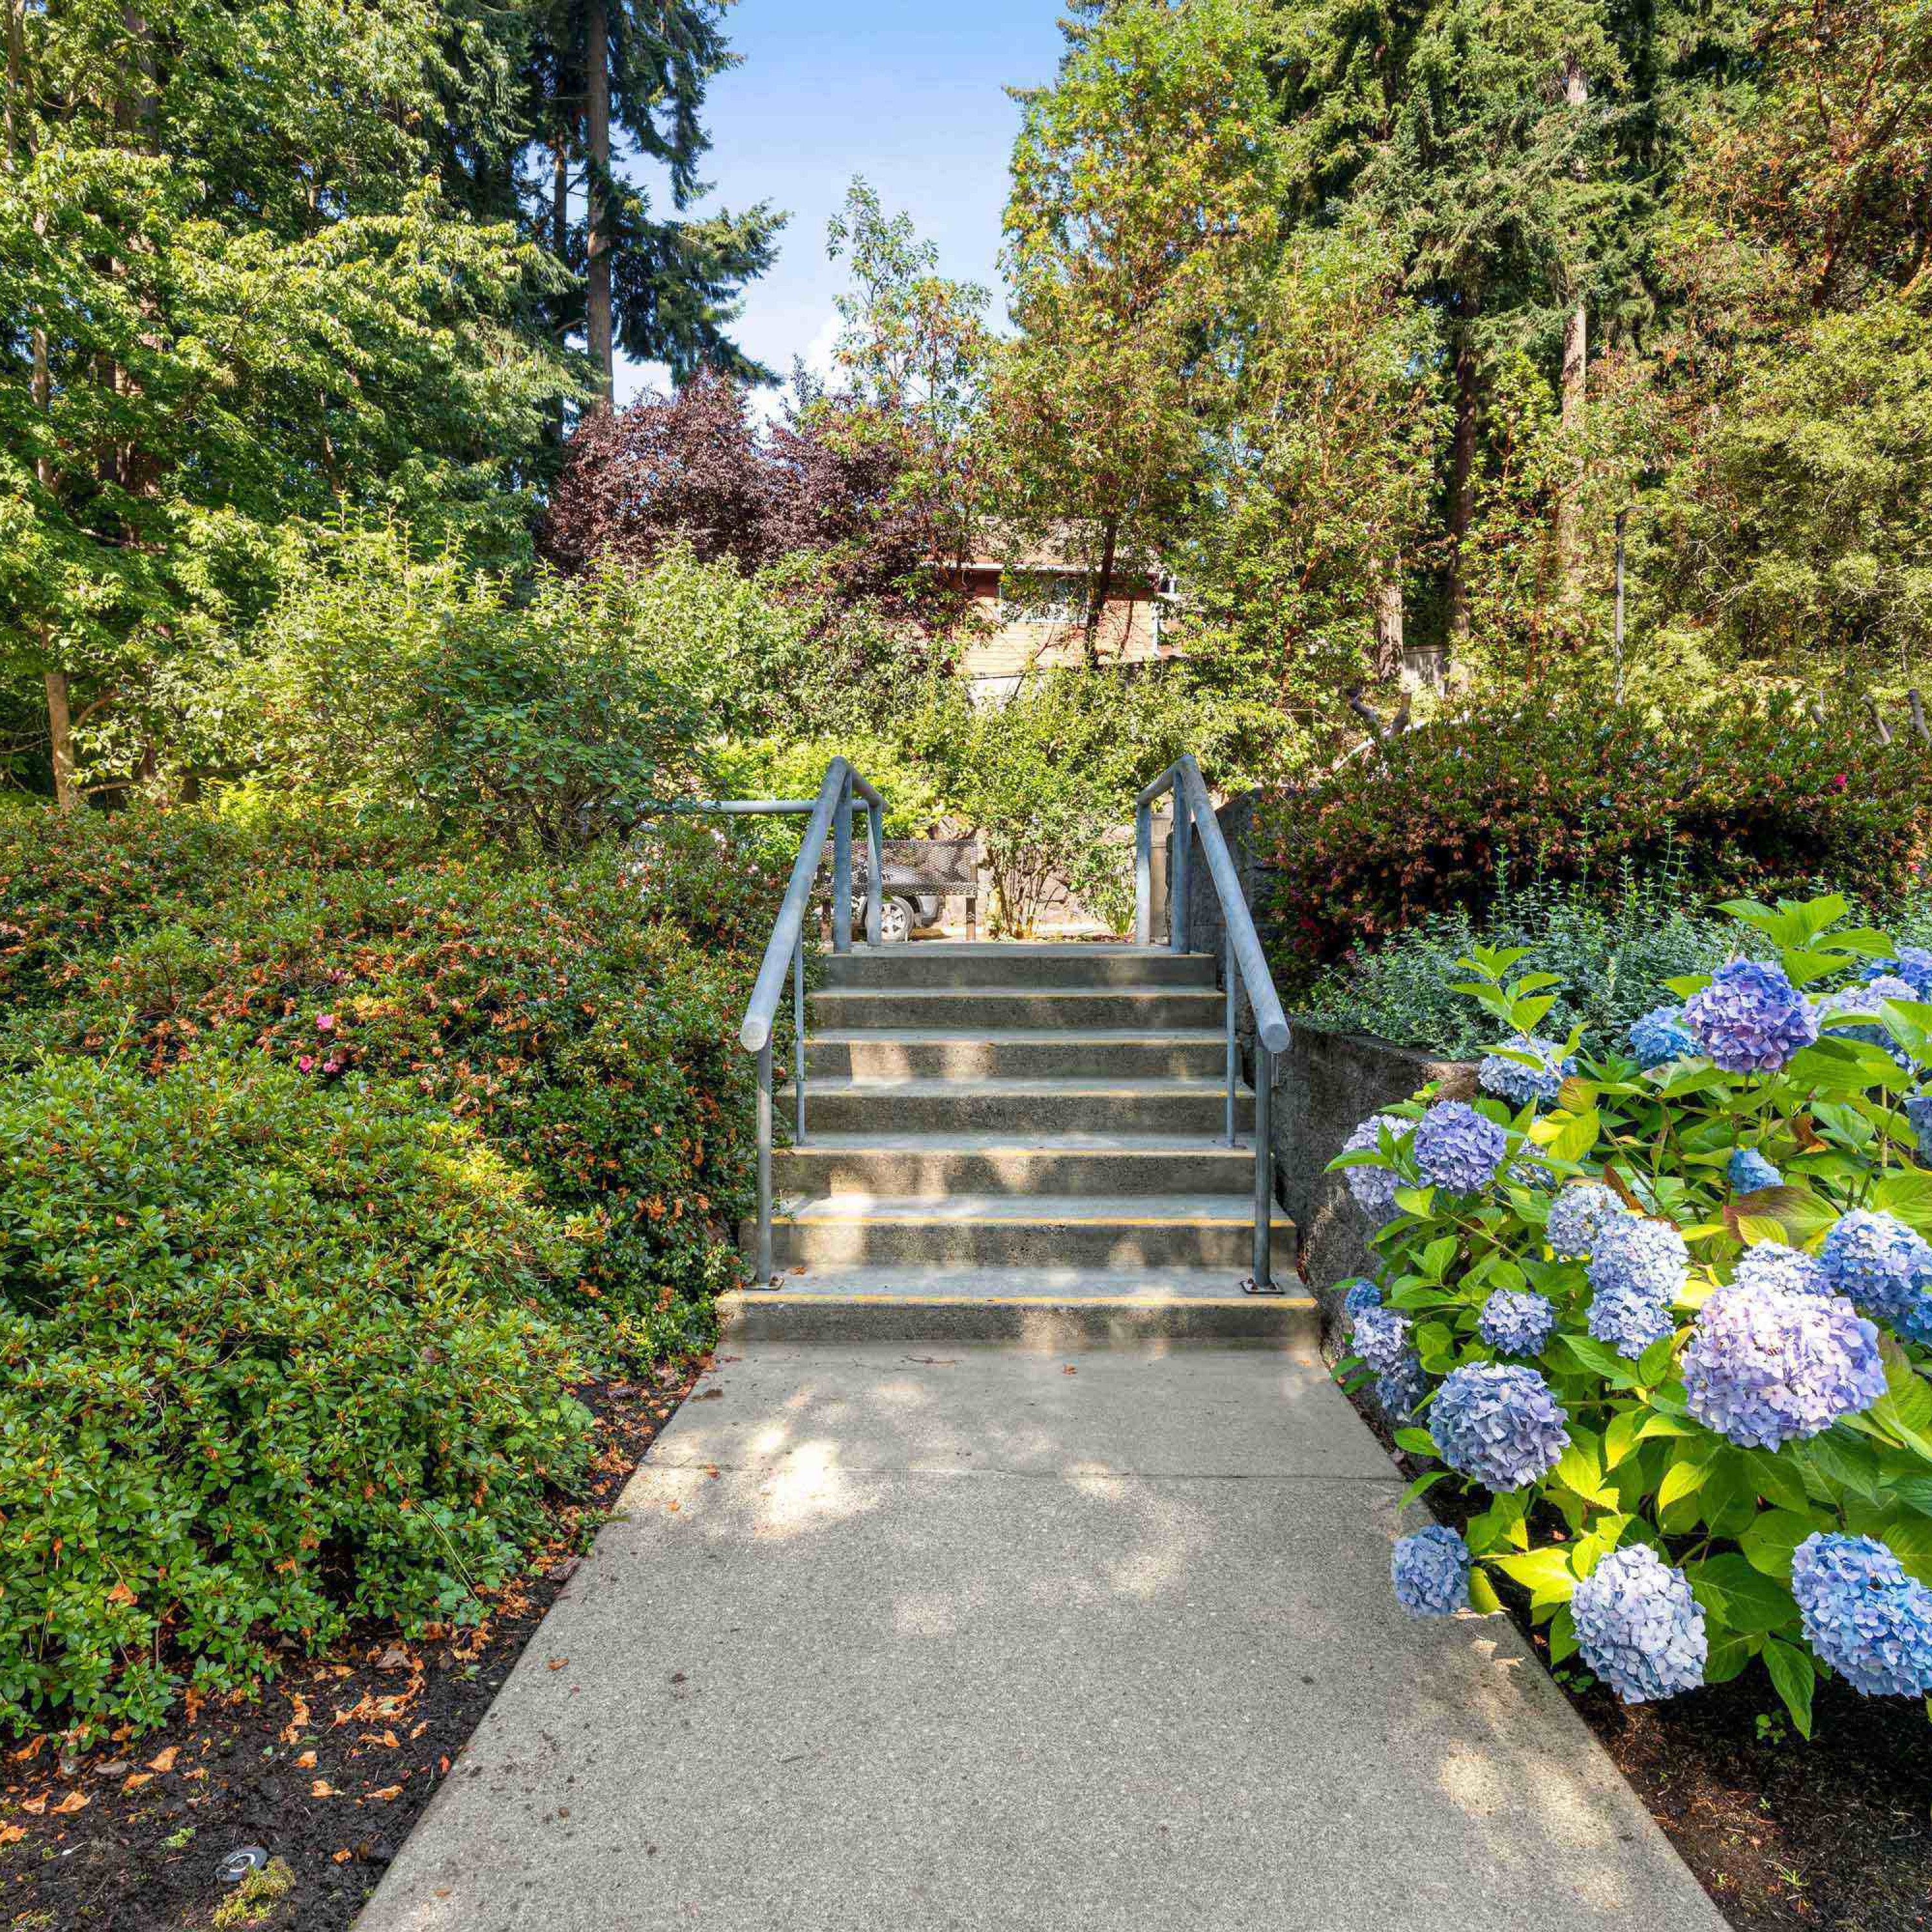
[(306, 1761), (12, 1834), (343, 1857), (557, 1663), (387, 1792), (75, 1800), (135, 1783), (321, 1788), (166, 1761)]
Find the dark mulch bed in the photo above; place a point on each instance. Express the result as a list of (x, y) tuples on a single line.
[(1832, 1836), (326, 1769)]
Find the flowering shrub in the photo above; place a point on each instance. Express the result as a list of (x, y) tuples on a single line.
[(272, 1357), (1763, 800), (1710, 1446)]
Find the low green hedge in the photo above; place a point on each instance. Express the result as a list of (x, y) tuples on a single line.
[(271, 1356)]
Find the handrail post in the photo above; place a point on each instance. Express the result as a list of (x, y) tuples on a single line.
[(1144, 874), (841, 869), (798, 1038), (1264, 1169), (1234, 1058), (765, 1164), (1177, 889), (875, 872)]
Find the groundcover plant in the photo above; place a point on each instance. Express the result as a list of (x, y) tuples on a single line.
[(1667, 1316)]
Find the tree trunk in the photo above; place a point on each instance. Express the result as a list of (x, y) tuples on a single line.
[(1576, 366), (559, 243), (1388, 623), (1462, 484), (597, 328), (60, 737), (1103, 583)]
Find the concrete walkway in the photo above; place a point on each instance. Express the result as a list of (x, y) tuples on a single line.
[(917, 1636)]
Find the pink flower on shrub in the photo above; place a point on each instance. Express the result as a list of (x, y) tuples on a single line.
[(307, 1063), (332, 1067), (1838, 782), (324, 1023)]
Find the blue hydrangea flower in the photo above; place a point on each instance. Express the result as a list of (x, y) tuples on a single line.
[(1919, 1111), (1771, 1264), (1359, 1294), (1430, 1570), (1529, 1169), (1863, 1614), (1458, 1148), (1638, 1627), (1627, 1319), (1660, 1035), (1873, 1259), (1579, 1214), (1636, 1255), (1517, 1083), (1750, 1018), (1401, 1390), (1515, 1322), (1498, 1424), (1381, 1337), (1374, 1187), (1864, 1004), (1913, 965), (1764, 1368), (1748, 1171)]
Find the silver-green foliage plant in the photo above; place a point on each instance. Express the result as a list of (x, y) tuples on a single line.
[(1664, 1314)]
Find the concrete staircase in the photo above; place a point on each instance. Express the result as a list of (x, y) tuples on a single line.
[(1018, 1142)]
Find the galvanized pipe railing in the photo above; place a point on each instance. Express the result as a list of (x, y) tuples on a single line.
[(1244, 963), (784, 951)]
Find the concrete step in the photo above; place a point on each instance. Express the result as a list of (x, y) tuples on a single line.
[(980, 1009), (1085, 1232), (1016, 1052), (1044, 1308), (1065, 964), (1021, 1107), (936, 1164)]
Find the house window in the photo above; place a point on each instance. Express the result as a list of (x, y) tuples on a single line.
[(1055, 597)]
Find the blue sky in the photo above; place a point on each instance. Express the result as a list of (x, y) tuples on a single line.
[(907, 94)]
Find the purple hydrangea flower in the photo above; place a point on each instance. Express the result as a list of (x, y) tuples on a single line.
[(1627, 1319), (1747, 1170), (1660, 1035), (1430, 1570), (1517, 1083), (1863, 1614), (1913, 965), (1529, 1169), (1764, 1368), (1401, 1390), (1381, 1337), (1638, 1627), (1873, 1259), (1457, 1148), (1771, 1264), (1498, 1424), (1359, 1294), (1919, 1111), (1636, 1255), (1374, 1187), (1579, 1215), (1750, 1018), (1515, 1322)]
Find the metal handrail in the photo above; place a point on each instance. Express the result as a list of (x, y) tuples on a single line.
[(1244, 963), (784, 951)]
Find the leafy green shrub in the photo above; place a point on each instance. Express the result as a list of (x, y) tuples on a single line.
[(273, 1354), (1670, 1326), (1613, 956), (581, 1015), (1748, 800)]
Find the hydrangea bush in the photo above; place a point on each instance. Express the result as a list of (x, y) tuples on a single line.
[(1666, 1317)]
